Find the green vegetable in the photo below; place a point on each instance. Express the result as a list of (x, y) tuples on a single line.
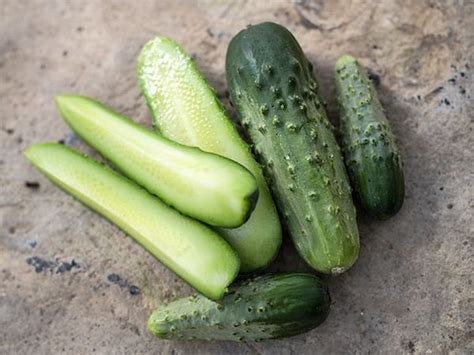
[(371, 153), (205, 186), (276, 97), (270, 306), (189, 248), (185, 109)]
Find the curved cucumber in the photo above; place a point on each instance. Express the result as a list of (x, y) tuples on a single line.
[(192, 250), (372, 156), (269, 306), (276, 96), (185, 109), (205, 186)]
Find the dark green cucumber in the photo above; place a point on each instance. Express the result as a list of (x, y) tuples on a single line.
[(371, 153), (189, 248), (185, 109), (276, 97), (269, 306), (205, 186)]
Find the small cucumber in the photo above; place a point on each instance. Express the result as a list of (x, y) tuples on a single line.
[(371, 153), (269, 306), (205, 186), (185, 109), (276, 97), (189, 248)]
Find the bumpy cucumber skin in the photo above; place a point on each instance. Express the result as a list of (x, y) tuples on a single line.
[(186, 109), (267, 307), (371, 153), (207, 187), (189, 248), (276, 97)]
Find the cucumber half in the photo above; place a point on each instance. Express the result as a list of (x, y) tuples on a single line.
[(192, 250), (205, 186), (185, 109)]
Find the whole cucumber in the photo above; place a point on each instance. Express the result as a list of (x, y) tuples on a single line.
[(269, 306), (371, 153), (276, 97)]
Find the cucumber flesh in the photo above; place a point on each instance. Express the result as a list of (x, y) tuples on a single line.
[(266, 307), (192, 250), (185, 109), (205, 186), (372, 156)]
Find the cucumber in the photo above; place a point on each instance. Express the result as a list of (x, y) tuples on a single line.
[(192, 250), (269, 306), (185, 109), (205, 186), (371, 153), (276, 97)]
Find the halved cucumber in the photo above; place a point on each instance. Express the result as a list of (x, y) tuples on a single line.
[(185, 108), (192, 250), (205, 186)]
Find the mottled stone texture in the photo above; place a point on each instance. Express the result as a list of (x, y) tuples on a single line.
[(70, 282)]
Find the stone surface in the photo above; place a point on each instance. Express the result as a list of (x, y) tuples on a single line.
[(71, 282)]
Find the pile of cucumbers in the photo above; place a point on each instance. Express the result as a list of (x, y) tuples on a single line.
[(200, 199)]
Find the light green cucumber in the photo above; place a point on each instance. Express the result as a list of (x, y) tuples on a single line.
[(267, 307), (276, 96), (185, 109), (191, 249), (205, 186), (372, 156)]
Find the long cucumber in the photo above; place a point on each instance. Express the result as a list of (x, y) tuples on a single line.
[(192, 250), (185, 109), (276, 96), (205, 186)]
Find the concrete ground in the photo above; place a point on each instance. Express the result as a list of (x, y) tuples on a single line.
[(71, 282)]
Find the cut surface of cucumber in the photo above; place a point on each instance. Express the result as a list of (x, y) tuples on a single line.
[(185, 109), (189, 248), (205, 186)]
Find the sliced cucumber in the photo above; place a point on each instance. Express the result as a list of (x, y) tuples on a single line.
[(186, 109), (205, 186), (192, 250)]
